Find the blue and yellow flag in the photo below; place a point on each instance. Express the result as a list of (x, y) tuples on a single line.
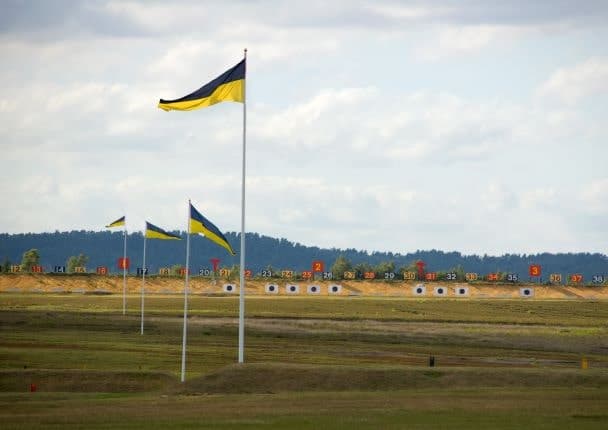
[(119, 222), (153, 232), (228, 87), (200, 224)]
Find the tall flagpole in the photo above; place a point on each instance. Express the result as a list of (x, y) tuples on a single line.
[(242, 278), (124, 276), (143, 285), (185, 330)]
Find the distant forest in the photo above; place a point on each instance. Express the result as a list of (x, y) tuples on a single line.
[(263, 252)]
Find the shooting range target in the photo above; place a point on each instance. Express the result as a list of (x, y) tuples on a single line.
[(272, 289), (461, 291), (229, 288), (440, 291), (419, 290), (526, 292), (314, 289), (335, 289), (292, 289)]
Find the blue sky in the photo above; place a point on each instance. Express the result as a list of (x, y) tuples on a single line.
[(476, 126)]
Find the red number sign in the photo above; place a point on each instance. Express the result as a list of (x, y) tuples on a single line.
[(37, 269), (369, 275), (307, 274), (101, 270), (431, 276), (535, 270), (576, 278), (318, 266), (247, 273), (124, 263), (493, 277)]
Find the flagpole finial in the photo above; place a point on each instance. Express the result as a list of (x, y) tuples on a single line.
[(245, 51)]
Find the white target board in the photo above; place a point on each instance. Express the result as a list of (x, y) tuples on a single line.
[(272, 289), (292, 289), (419, 290), (461, 291), (526, 292), (335, 289), (229, 288), (440, 291), (314, 289)]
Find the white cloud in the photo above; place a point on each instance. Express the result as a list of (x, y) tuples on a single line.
[(594, 197), (571, 84)]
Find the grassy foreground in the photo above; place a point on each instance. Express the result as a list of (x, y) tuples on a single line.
[(311, 363)]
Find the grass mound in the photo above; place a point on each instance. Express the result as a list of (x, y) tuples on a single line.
[(272, 378), (84, 381)]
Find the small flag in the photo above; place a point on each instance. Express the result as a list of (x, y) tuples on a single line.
[(153, 232), (119, 222), (200, 224), (228, 87)]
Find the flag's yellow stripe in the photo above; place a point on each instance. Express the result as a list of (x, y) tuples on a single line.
[(231, 92), (150, 234), (198, 227)]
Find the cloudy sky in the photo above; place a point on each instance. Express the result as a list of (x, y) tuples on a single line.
[(475, 126)]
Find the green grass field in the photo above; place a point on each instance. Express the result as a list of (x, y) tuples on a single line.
[(310, 363)]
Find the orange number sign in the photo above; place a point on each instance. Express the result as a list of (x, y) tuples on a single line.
[(535, 270), (369, 275), (430, 276), (493, 277), (576, 278), (307, 274), (318, 266)]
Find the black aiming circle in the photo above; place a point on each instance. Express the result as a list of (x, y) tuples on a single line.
[(462, 291), (526, 292), (228, 287), (440, 291), (313, 289), (292, 288), (271, 288), (334, 289), (418, 290)]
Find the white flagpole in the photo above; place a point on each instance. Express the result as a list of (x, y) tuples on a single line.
[(124, 276), (242, 277), (185, 330), (143, 285)]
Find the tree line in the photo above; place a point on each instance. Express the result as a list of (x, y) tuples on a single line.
[(94, 249)]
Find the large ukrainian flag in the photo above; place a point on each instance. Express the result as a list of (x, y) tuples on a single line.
[(153, 232), (228, 87), (200, 224), (119, 222)]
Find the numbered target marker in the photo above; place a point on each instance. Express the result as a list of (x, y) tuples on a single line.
[(328, 276), (535, 270), (141, 272), (389, 276), (555, 278), (164, 271), (512, 277), (272, 289), (80, 269), (314, 289), (419, 290), (461, 291), (229, 288), (292, 289), (349, 275), (266, 273), (335, 289), (597, 279), (440, 291), (526, 292), (492, 276), (15, 268), (58, 269), (205, 272), (576, 278), (225, 272), (248, 273), (451, 276), (307, 274), (287, 274), (124, 263), (318, 266), (409, 276), (37, 269), (430, 276), (471, 276), (369, 275)]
